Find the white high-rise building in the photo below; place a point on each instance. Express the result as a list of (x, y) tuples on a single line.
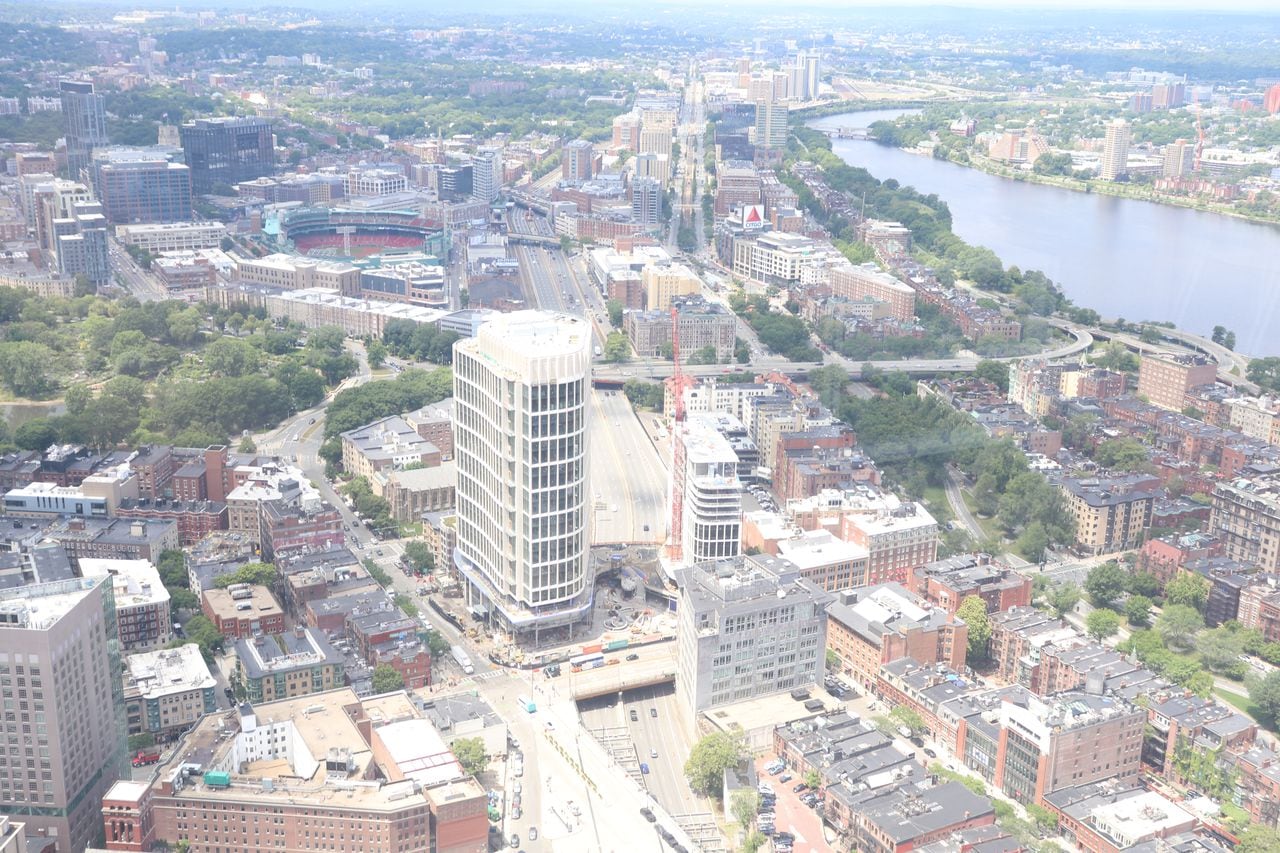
[(1115, 150), (486, 174), (60, 668), (812, 73), (710, 492), (521, 387)]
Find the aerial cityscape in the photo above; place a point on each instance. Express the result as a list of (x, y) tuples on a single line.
[(597, 428)]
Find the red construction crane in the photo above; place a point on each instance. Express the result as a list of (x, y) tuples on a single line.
[(677, 385)]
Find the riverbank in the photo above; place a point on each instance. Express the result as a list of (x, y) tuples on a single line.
[(1135, 192)]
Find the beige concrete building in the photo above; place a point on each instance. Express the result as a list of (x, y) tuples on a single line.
[(663, 282), (293, 272), (166, 691), (1246, 518), (387, 444), (60, 663), (1110, 514), (1165, 379), (173, 236), (702, 324)]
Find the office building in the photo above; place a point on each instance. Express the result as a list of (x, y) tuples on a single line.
[(748, 627), (296, 272), (1030, 746), (520, 392), (1164, 378), (880, 624), (948, 582), (80, 243), (143, 618), (60, 663), (656, 140), (576, 161), (646, 200), (1115, 150), (137, 185), (705, 485), (173, 236), (166, 691), (222, 152), (771, 125), (85, 113), (317, 772), (486, 174), (387, 444)]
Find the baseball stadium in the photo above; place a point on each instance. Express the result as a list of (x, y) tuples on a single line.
[(356, 235)]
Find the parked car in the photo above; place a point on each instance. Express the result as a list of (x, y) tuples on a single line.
[(633, 656), (647, 814), (644, 768), (785, 777), (635, 718), (533, 833), (653, 712), (800, 787), (930, 753), (514, 841)]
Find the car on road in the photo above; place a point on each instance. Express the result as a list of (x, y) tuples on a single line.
[(517, 788), (514, 841), (517, 813), (930, 753), (533, 833), (647, 814), (635, 718), (653, 753), (653, 712), (633, 657), (644, 768)]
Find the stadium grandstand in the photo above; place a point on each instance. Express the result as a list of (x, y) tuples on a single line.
[(359, 234)]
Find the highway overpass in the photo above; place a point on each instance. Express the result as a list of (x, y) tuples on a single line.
[(657, 665)]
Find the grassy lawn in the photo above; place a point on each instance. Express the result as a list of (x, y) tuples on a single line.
[(936, 498), (1237, 700)]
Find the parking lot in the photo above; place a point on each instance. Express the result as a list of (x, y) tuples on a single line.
[(792, 816)]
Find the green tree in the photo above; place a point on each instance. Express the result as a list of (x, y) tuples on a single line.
[(1138, 611), (471, 755), (973, 610), (1220, 650), (183, 599), (616, 348), (1121, 454), (201, 631), (419, 557), (376, 354), (1145, 584), (813, 779), (386, 679), (76, 398), (995, 372), (172, 565), (614, 307), (1063, 598), (907, 718), (36, 434), (437, 643), (232, 357), (259, 574), (1178, 624), (1102, 623), (710, 757), (24, 368), (829, 383), (142, 740), (1106, 583), (246, 445), (1189, 589), (833, 660), (1045, 820), (744, 804), (753, 842)]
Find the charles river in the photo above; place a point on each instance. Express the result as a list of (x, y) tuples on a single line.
[(1122, 257)]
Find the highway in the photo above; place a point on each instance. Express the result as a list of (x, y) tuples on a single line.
[(662, 742), (955, 497), (627, 476)]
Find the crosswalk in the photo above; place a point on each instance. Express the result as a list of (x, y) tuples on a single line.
[(487, 676)]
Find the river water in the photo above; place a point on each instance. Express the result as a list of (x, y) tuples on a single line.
[(1122, 257)]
